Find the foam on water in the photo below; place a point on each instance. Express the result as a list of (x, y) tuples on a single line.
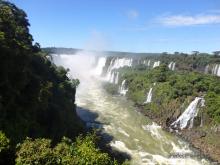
[(154, 129), (120, 146), (123, 132)]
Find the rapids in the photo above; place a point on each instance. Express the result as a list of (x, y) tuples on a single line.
[(132, 132)]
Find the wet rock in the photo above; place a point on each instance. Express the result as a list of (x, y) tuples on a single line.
[(199, 134)]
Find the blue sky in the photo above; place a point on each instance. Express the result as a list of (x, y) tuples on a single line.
[(125, 25)]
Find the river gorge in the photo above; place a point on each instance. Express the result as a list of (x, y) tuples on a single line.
[(133, 133)]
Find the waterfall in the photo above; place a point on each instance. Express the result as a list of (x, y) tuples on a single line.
[(156, 64), (148, 63), (100, 65), (187, 117), (216, 70), (112, 77), (149, 96), (117, 63), (172, 65), (116, 78), (122, 89)]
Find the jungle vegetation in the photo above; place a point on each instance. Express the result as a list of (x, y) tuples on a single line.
[(38, 120)]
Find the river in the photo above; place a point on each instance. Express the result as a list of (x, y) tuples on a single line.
[(132, 133)]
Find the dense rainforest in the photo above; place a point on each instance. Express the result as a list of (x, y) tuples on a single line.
[(37, 102)]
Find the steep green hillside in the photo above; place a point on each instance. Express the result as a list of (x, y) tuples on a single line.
[(37, 102), (37, 99)]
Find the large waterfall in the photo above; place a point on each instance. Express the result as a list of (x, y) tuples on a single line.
[(186, 119), (127, 130), (99, 67), (117, 63), (149, 96)]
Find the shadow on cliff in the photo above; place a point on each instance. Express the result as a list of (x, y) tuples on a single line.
[(104, 139)]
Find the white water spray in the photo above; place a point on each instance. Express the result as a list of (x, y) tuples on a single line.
[(186, 119), (146, 145), (117, 63), (99, 67)]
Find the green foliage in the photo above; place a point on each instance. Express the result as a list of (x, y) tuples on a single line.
[(4, 142), (36, 151), (159, 74), (111, 88), (172, 88), (6, 154), (213, 104), (86, 152), (37, 99), (81, 152)]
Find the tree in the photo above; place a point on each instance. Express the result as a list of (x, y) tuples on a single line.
[(195, 53), (216, 53), (82, 151), (36, 97), (36, 151), (176, 53), (4, 142)]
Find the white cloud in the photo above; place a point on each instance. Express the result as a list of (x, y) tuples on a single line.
[(183, 20), (133, 14)]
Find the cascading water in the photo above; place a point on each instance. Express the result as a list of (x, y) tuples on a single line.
[(114, 77), (186, 119), (172, 65), (122, 89), (149, 96), (147, 62), (156, 64), (216, 70), (99, 67), (130, 132), (117, 63)]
